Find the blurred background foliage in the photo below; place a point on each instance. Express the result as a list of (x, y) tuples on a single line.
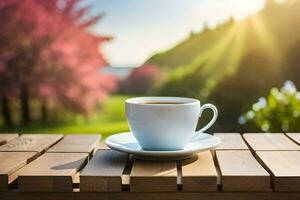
[(232, 66), (236, 63), (279, 111)]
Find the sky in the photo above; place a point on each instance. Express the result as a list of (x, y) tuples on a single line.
[(141, 28)]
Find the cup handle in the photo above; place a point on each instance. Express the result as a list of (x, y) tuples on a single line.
[(212, 121)]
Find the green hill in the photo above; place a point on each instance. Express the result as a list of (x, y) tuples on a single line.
[(188, 50), (237, 62), (275, 20)]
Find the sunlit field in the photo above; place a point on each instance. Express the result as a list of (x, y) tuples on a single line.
[(110, 119)]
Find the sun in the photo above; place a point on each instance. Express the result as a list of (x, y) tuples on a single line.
[(245, 8)]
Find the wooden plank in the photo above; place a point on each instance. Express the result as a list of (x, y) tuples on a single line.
[(231, 141), (153, 176), (10, 163), (270, 142), (294, 136), (241, 172), (6, 137), (104, 172), (76, 144), (102, 146), (31, 142), (150, 195), (199, 173), (285, 167), (51, 172)]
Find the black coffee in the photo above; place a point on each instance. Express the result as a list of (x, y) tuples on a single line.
[(158, 102)]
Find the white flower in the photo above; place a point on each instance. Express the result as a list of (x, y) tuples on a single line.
[(289, 87), (250, 114), (242, 120), (262, 103), (279, 96)]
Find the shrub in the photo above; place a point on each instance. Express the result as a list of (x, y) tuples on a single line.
[(142, 80), (279, 111)]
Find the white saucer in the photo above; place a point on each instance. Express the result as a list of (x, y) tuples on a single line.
[(125, 142)]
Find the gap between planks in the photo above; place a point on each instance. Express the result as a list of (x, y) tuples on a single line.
[(294, 136)]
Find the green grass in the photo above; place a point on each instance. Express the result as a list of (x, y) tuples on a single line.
[(107, 120)]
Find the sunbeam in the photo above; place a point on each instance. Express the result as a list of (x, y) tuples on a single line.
[(266, 37)]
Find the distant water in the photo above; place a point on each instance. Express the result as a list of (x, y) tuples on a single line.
[(120, 72)]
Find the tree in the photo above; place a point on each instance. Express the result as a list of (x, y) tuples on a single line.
[(47, 53), (142, 80)]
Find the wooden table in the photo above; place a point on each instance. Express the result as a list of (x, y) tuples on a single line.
[(248, 166)]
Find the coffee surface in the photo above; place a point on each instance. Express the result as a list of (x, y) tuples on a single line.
[(157, 102)]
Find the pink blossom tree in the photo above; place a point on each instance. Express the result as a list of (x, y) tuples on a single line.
[(47, 53)]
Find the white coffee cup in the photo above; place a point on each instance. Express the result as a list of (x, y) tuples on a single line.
[(165, 123)]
